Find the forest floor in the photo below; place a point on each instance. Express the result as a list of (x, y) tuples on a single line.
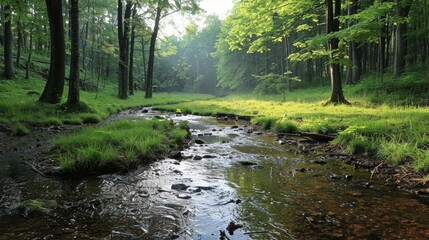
[(375, 136)]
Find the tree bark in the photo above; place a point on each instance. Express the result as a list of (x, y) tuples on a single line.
[(9, 71), (149, 79), (400, 39), (20, 43), (55, 85), (73, 97), (123, 29), (333, 25), (30, 53), (132, 41), (144, 65)]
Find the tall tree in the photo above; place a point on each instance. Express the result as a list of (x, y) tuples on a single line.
[(151, 60), (54, 87), (132, 42), (333, 11), (123, 38), (404, 7), (9, 71), (164, 8), (73, 96)]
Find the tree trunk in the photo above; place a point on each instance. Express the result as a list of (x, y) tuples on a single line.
[(149, 79), (400, 39), (354, 50), (30, 52), (9, 71), (20, 41), (123, 29), (73, 97), (333, 25), (55, 85), (132, 41), (144, 65)]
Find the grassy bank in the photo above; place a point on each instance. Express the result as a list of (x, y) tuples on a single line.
[(19, 107), (395, 133), (119, 145)]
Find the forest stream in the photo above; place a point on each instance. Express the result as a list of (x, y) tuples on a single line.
[(229, 176)]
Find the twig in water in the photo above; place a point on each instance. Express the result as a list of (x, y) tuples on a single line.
[(376, 169)]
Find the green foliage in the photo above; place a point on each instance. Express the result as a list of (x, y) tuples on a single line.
[(36, 206), (20, 130), (266, 123), (18, 106), (361, 145), (117, 146), (285, 126)]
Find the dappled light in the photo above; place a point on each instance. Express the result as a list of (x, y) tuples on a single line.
[(203, 119)]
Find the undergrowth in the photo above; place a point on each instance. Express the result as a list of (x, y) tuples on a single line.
[(117, 146)]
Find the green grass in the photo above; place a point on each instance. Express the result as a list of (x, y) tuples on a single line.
[(394, 132), (117, 146), (19, 104), (20, 130)]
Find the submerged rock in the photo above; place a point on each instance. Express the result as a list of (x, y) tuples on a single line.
[(320, 162), (197, 157), (183, 196), (179, 187), (36, 207), (199, 141), (247, 163), (176, 155), (232, 226)]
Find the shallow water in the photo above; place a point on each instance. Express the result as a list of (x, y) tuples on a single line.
[(284, 196)]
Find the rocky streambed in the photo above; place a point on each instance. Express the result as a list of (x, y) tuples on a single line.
[(231, 183)]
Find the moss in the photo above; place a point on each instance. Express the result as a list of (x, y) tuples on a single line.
[(36, 207)]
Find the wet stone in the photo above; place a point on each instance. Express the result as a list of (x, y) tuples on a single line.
[(183, 196), (176, 155), (320, 162), (334, 177), (209, 156), (179, 187), (206, 188), (199, 141), (194, 189), (197, 157), (247, 163)]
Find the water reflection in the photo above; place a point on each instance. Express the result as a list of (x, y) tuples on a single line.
[(283, 196)]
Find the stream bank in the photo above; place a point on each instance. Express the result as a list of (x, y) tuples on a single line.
[(229, 173)]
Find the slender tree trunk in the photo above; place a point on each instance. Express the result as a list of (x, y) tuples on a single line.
[(9, 71), (309, 73), (149, 79), (73, 97), (19, 46), (123, 29), (132, 42), (400, 40), (144, 65), (55, 85), (333, 25), (30, 52), (84, 39)]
